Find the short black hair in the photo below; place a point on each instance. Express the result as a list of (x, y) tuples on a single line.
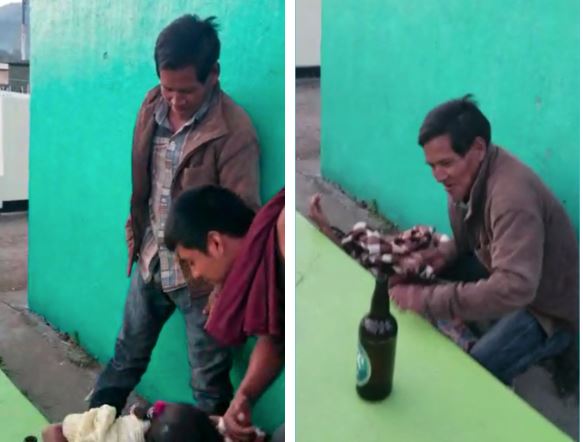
[(198, 211), (188, 41), (183, 422), (461, 119)]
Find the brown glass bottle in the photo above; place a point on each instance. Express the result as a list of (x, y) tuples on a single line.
[(377, 341)]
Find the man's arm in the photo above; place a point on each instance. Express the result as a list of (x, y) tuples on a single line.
[(264, 365), (440, 257), (267, 358), (517, 256), (238, 167), (266, 362), (138, 125)]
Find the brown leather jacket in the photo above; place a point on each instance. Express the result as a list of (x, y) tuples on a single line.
[(222, 150), (521, 233)]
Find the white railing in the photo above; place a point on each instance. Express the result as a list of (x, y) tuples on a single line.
[(20, 86)]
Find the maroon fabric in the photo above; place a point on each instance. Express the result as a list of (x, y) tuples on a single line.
[(249, 302)]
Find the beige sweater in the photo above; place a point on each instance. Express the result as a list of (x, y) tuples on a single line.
[(521, 233), (100, 425)]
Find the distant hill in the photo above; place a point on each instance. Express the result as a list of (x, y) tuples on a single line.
[(10, 17)]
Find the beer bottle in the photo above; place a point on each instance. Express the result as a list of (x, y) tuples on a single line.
[(377, 340)]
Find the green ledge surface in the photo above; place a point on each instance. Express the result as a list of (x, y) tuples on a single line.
[(18, 417), (440, 393)]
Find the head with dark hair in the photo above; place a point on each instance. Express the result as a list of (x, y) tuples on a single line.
[(206, 227), (186, 55), (179, 422), (455, 136)]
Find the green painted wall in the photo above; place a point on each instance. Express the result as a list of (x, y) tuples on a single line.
[(91, 65), (385, 64)]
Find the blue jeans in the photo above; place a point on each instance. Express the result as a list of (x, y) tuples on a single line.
[(146, 311), (515, 343)]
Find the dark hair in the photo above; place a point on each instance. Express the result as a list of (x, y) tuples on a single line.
[(461, 119), (188, 41), (182, 422), (198, 211)]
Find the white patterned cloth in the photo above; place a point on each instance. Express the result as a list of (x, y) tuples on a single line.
[(397, 254), (101, 425), (392, 253)]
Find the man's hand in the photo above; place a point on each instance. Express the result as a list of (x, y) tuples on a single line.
[(396, 279), (265, 364), (437, 257), (238, 419), (409, 297), (53, 433)]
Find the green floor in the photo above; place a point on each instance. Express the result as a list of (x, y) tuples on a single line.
[(18, 417), (440, 394)]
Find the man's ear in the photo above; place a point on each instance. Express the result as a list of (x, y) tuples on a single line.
[(215, 244), (481, 146), (213, 76)]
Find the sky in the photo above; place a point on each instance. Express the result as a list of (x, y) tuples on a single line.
[(5, 2)]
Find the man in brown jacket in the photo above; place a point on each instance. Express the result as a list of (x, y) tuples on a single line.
[(526, 274), (188, 133)]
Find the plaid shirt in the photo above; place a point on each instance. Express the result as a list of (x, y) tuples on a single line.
[(166, 155)]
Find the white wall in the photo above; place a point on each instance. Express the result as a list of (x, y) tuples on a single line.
[(3, 76), (14, 136), (308, 32)]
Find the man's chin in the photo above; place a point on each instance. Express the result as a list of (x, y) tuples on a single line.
[(453, 196), (215, 282), (184, 114)]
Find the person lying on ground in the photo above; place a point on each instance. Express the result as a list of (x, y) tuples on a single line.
[(160, 422)]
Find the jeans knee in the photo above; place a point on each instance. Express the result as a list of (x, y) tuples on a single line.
[(483, 354)]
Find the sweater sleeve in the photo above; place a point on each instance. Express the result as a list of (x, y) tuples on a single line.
[(516, 253)]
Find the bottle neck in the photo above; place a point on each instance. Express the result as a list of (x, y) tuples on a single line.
[(379, 307)]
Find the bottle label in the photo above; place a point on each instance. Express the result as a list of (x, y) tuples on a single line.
[(362, 366)]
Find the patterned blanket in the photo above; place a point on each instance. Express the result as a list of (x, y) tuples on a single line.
[(398, 254)]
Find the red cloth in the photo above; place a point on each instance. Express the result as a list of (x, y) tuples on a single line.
[(250, 301)]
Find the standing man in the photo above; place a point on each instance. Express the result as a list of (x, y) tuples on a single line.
[(507, 221), (188, 133)]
